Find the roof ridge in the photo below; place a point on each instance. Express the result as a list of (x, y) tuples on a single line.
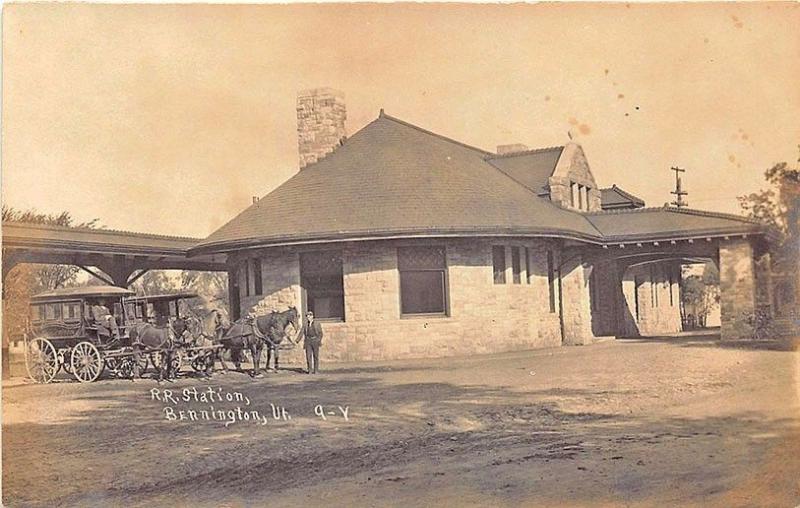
[(426, 131), (623, 193), (100, 230), (627, 210), (707, 213), (493, 156), (675, 209)]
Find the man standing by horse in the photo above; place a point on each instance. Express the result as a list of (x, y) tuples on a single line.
[(312, 333)]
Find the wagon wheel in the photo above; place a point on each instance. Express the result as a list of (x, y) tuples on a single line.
[(126, 364), (142, 364), (177, 360), (199, 361), (87, 363), (66, 361), (155, 359), (41, 360), (114, 365)]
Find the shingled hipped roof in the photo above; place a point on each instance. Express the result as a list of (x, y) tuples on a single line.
[(393, 179), (668, 223), (532, 168)]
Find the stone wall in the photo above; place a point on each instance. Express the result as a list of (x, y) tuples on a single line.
[(737, 280), (658, 300), (605, 295), (483, 317), (576, 303)]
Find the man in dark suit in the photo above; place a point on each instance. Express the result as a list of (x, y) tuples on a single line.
[(312, 333)]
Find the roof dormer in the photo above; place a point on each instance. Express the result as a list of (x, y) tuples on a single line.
[(572, 184)]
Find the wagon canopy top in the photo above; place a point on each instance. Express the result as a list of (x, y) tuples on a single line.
[(162, 298), (83, 292)]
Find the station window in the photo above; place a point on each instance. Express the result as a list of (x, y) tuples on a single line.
[(551, 281), (671, 286), (637, 285), (246, 269), (653, 287), (322, 280), (423, 280), (257, 282), (516, 264), (528, 265), (499, 264)]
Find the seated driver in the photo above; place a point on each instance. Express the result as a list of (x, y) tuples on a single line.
[(103, 317)]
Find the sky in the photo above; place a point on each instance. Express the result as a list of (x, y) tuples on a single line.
[(170, 118)]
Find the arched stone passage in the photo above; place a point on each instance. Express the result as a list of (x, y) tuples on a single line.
[(634, 288)]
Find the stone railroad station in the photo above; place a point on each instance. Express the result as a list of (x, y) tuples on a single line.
[(409, 244), (406, 243)]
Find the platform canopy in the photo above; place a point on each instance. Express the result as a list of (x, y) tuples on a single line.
[(120, 256)]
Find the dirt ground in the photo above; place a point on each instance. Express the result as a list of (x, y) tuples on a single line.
[(653, 422)]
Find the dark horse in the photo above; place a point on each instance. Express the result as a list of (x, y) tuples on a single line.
[(254, 333), (146, 337)]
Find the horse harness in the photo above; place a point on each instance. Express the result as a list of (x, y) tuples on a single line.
[(266, 338)]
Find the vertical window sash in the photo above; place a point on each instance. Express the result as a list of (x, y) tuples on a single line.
[(423, 280), (499, 264), (246, 270), (551, 290), (322, 280), (258, 288), (516, 265)]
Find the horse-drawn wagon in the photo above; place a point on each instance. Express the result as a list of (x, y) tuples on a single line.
[(88, 330), (81, 330), (164, 311)]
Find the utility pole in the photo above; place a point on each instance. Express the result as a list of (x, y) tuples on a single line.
[(679, 192)]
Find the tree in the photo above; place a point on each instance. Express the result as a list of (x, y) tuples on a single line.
[(211, 286), (779, 205), (26, 280), (49, 276), (156, 282), (700, 293)]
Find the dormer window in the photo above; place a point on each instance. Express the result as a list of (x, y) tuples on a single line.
[(579, 196)]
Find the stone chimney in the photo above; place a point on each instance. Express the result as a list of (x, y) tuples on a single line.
[(514, 148), (321, 116)]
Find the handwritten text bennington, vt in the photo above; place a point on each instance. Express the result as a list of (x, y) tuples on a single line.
[(226, 407)]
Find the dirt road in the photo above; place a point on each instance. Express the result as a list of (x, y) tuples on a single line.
[(682, 421)]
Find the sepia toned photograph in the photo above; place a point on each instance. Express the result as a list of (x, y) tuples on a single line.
[(401, 255)]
